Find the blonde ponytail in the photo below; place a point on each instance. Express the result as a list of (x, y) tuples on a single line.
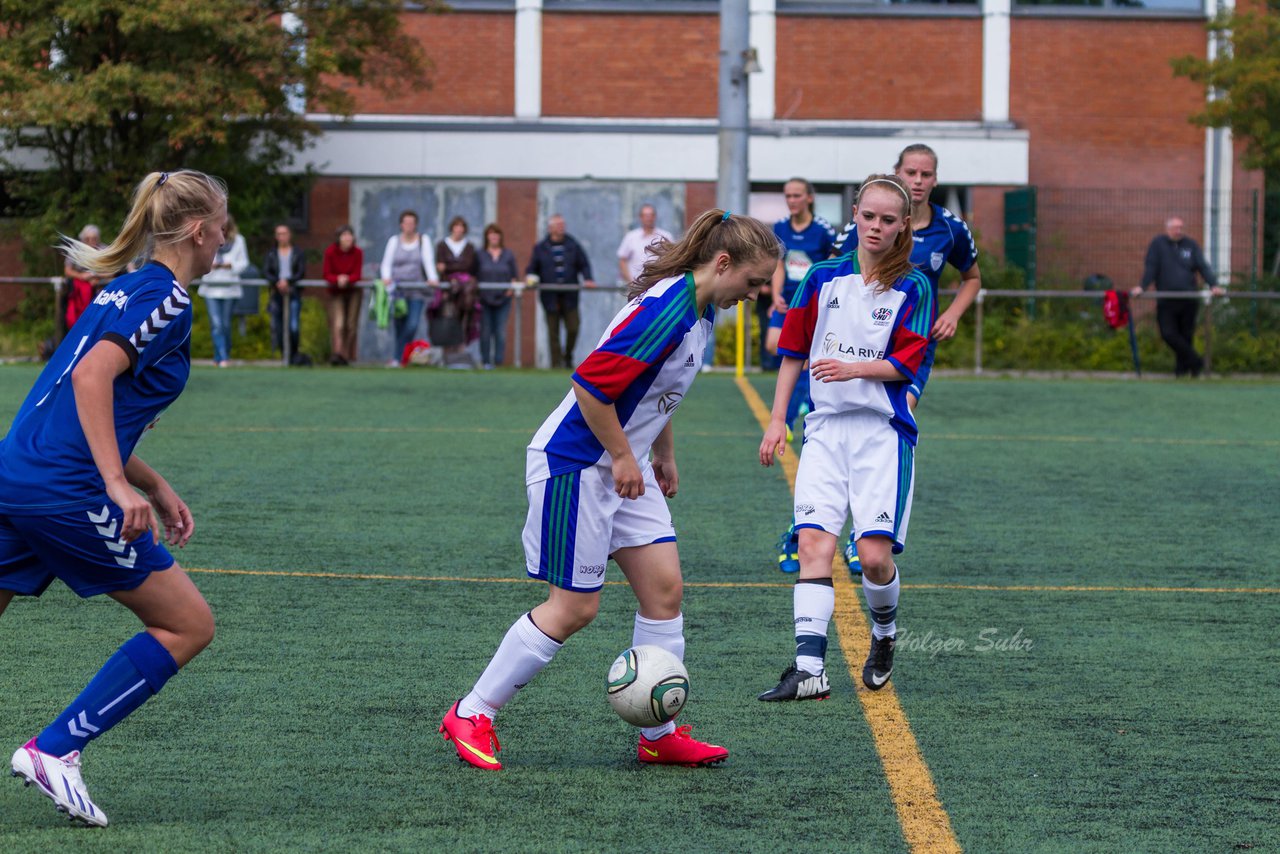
[(166, 208)]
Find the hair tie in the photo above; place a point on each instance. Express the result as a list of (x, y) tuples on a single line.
[(164, 176), (726, 216)]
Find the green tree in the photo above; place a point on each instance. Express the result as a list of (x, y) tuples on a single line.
[(1246, 77), (104, 91)]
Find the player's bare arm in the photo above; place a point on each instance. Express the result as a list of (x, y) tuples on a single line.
[(970, 283), (602, 418), (664, 461), (92, 380), (775, 437), (835, 371)]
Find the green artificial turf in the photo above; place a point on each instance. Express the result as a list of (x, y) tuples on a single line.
[(1119, 720)]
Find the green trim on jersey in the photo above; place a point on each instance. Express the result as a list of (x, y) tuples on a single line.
[(921, 321), (646, 347)]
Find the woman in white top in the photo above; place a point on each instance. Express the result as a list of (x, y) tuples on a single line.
[(220, 289), (409, 257)]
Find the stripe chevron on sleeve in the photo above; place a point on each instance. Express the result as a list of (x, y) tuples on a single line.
[(169, 310)]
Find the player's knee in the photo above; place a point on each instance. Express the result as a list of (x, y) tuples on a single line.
[(816, 548), (199, 629), (877, 566)]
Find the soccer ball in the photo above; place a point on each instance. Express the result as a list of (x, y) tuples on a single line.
[(647, 685)]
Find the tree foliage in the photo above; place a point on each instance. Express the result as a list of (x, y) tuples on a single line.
[(1246, 74), (103, 91)]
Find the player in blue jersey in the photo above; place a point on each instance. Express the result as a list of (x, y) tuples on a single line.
[(940, 238), (862, 321), (806, 239), (595, 491), (69, 478)]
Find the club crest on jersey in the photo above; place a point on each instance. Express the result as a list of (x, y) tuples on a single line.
[(668, 402), (882, 315), (935, 260), (120, 298)]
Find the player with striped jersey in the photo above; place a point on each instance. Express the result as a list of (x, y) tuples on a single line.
[(600, 468), (940, 238), (862, 321), (69, 508)]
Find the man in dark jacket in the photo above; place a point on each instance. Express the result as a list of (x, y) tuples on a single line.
[(560, 260), (1173, 259)]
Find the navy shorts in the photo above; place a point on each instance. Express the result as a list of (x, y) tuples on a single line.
[(926, 367), (776, 319), (82, 547)]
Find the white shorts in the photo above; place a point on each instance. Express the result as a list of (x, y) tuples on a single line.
[(576, 521), (855, 464)]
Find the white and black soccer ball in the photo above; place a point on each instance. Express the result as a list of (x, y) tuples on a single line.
[(647, 685)]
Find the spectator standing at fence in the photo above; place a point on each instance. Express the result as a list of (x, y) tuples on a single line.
[(220, 289), (496, 264), (343, 261), (408, 257), (284, 266), (458, 263), (560, 260), (78, 505), (635, 247), (81, 284), (1173, 259)]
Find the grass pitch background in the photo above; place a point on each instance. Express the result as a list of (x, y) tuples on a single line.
[(1135, 720)]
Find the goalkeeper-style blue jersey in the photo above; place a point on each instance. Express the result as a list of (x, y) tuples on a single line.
[(45, 463)]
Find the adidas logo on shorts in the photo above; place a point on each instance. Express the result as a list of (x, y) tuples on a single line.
[(688, 363), (835, 303), (885, 519)]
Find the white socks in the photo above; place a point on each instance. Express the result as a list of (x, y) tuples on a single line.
[(882, 600), (814, 601), (668, 634), (521, 656)]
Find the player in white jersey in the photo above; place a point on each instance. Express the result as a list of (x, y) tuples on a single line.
[(863, 323), (598, 471), (70, 506)]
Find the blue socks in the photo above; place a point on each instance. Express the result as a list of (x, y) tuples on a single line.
[(136, 672)]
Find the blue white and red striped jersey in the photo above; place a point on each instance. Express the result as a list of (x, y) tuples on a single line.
[(643, 365), (837, 315), (45, 463)]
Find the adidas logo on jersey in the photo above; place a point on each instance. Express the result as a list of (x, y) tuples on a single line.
[(884, 518), (834, 303), (688, 363)]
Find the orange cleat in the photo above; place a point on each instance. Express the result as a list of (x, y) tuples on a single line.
[(473, 738), (680, 748)]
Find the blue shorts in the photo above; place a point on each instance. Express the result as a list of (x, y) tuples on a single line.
[(776, 318), (926, 367), (80, 547)]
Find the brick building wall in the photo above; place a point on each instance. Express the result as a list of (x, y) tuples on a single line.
[(865, 68), (638, 66), (472, 70)]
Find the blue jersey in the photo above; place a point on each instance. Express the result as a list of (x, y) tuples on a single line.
[(803, 249), (45, 463), (945, 240)]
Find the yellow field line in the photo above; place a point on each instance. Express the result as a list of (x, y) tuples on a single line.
[(925, 824)]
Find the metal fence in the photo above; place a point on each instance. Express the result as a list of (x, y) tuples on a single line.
[(747, 350)]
